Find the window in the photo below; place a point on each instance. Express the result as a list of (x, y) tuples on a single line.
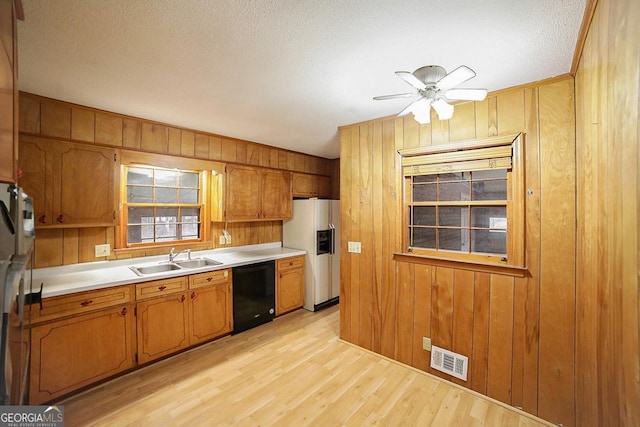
[(162, 205), (464, 201)]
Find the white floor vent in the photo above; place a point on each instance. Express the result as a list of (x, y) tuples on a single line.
[(449, 362)]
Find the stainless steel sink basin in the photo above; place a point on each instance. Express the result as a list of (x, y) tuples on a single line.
[(150, 269), (197, 262)]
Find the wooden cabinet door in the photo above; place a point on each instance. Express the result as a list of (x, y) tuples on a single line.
[(86, 185), (243, 193), (8, 93), (289, 284), (277, 198), (36, 161), (323, 187), (71, 353), (303, 185), (211, 312), (162, 326)]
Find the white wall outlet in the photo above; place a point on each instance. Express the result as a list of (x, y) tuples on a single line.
[(221, 239), (227, 236), (103, 250), (426, 343), (354, 247)]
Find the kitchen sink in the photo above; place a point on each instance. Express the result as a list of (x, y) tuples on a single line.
[(197, 262), (150, 269)]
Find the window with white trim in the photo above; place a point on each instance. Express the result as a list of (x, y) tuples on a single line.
[(464, 201)]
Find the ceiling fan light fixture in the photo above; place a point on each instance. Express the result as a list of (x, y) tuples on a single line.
[(422, 117), (444, 110)]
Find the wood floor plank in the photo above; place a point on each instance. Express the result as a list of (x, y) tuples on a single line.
[(292, 371)]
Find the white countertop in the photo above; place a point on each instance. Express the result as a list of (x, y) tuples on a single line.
[(96, 275)]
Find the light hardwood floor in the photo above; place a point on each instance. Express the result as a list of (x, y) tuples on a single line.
[(291, 372)]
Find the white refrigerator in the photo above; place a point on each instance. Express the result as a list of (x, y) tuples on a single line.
[(315, 228)]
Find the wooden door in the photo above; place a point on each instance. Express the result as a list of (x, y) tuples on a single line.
[(8, 93), (289, 284), (85, 193), (243, 201), (211, 312), (72, 353), (37, 177), (162, 326), (277, 197)]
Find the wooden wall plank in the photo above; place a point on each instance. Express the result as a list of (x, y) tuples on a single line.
[(422, 315), (462, 126), (463, 298), (29, 117), (439, 130), (55, 119), (557, 253), (48, 248), (500, 338), (406, 298), (174, 141), (478, 363), (229, 150), (201, 147), (411, 132), (131, 133), (425, 135), (71, 246), (253, 155), (510, 108), (345, 225), (154, 138), (377, 220), (187, 143), (215, 148), (492, 105), (482, 119), (354, 235), (365, 223), (442, 310)]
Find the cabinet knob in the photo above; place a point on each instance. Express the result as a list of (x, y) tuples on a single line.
[(257, 214), (162, 288), (182, 298), (209, 279), (193, 295), (124, 311), (86, 303), (43, 219), (60, 218), (291, 263)]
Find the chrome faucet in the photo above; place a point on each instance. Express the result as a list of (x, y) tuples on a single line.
[(173, 255)]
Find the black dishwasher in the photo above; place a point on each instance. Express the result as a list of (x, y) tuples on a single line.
[(254, 297)]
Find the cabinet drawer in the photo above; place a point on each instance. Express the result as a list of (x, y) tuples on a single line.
[(158, 288), (290, 263), (209, 278), (80, 302)]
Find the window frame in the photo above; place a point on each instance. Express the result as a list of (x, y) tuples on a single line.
[(476, 155), (124, 204)]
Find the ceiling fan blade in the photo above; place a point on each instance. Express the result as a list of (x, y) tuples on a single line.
[(399, 95), (466, 94), (409, 108), (411, 79), (444, 110), (456, 77)]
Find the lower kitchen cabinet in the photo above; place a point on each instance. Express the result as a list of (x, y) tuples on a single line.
[(211, 313), (162, 326), (289, 284), (74, 352)]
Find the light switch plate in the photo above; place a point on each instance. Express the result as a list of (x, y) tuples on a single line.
[(103, 250), (221, 239), (426, 343), (354, 247)]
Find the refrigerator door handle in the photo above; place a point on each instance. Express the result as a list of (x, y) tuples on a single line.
[(332, 230)]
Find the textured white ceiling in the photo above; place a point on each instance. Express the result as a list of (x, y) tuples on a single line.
[(285, 73)]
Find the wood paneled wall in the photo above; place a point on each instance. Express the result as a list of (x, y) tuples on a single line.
[(518, 333), (608, 251), (56, 119)]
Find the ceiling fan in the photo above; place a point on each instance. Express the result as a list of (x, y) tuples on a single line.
[(434, 87)]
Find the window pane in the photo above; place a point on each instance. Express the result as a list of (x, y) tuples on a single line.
[(489, 241), (453, 239), (188, 195), (425, 178), (424, 192), (424, 215), (189, 179), (190, 215), (454, 191), (140, 176), (166, 195), (489, 217), (166, 231), (166, 215), (490, 174), (490, 190), (423, 238), (138, 215), (453, 216), (190, 231), (166, 178), (139, 194)]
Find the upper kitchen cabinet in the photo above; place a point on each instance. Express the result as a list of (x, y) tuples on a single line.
[(246, 193), (8, 91), (307, 185), (72, 185)]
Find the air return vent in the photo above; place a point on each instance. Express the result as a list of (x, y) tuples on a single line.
[(449, 362)]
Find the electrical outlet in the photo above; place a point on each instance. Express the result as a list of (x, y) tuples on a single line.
[(426, 343), (103, 250), (228, 238), (221, 239), (354, 247)]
